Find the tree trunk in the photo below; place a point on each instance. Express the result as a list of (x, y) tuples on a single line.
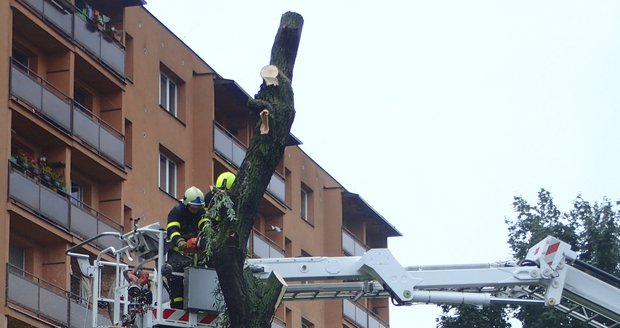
[(249, 302)]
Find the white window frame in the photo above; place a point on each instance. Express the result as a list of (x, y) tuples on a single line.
[(304, 199), (169, 105), (165, 185)]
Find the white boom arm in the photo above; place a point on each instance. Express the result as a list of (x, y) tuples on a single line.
[(548, 276), (545, 277)]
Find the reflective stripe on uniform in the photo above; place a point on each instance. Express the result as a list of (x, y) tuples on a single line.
[(174, 223), (174, 234), (202, 221), (178, 299)]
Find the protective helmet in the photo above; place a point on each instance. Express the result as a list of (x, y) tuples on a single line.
[(194, 196), (225, 180)]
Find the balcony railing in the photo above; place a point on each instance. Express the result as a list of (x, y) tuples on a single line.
[(228, 147), (85, 33), (351, 246), (67, 114), (46, 300), (61, 210), (360, 316), (264, 248)]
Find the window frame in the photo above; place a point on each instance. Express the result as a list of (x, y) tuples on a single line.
[(303, 204), (168, 161), (167, 102)]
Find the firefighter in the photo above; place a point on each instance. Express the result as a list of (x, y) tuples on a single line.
[(224, 181), (182, 231)]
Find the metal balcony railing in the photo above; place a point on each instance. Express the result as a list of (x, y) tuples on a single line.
[(84, 32), (67, 114), (351, 246), (264, 248), (360, 316), (60, 209), (47, 301), (232, 150)]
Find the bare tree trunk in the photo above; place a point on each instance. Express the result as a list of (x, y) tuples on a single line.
[(251, 303)]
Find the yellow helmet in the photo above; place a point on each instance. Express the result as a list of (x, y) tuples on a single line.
[(194, 196), (225, 180)]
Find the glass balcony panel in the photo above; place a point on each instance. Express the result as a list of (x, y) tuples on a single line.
[(22, 291), (348, 243), (87, 35), (348, 309), (81, 316), (83, 223), (276, 187), (238, 154), (57, 109), (107, 241), (54, 206), (85, 128), (25, 88), (373, 323), (24, 190), (222, 143), (112, 145), (113, 55), (58, 16), (53, 305), (36, 4), (361, 317), (261, 248)]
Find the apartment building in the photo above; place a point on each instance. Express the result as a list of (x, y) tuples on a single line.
[(108, 117)]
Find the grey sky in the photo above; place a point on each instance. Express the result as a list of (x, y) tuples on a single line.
[(437, 112)]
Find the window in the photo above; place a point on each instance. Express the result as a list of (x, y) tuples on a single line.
[(305, 196), (304, 204), (21, 58), (77, 194), (17, 259), (306, 324), (167, 93), (167, 175)]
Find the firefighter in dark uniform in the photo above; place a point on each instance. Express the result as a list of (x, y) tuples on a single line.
[(182, 231)]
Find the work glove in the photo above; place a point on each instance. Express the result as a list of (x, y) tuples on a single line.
[(191, 245), (181, 244)]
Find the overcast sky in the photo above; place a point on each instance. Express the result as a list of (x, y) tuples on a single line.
[(437, 113)]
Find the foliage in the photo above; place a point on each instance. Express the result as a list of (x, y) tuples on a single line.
[(493, 316), (593, 231)]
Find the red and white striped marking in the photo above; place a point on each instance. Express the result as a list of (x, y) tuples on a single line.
[(184, 316), (550, 253)]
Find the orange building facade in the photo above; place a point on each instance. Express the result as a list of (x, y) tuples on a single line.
[(108, 117)]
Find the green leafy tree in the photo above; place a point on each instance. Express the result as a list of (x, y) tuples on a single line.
[(593, 231), (494, 316)]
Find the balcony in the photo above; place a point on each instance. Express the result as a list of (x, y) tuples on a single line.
[(232, 150), (47, 301), (351, 246), (264, 248), (61, 210), (360, 316), (100, 44), (67, 114)]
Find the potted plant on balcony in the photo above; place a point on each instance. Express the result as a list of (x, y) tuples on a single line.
[(58, 182), (46, 176)]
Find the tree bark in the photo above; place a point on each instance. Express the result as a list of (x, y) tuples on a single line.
[(249, 302)]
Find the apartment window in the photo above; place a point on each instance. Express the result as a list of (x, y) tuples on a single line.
[(306, 324), (304, 204), (167, 175), (77, 194), (17, 259), (21, 58), (167, 93), (305, 196)]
